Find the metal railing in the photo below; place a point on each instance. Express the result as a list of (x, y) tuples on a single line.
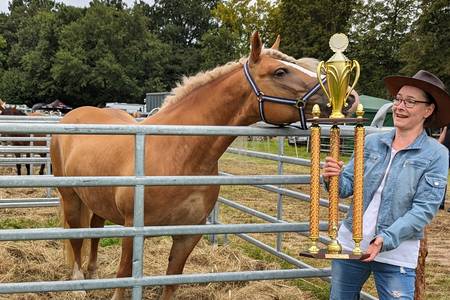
[(138, 231)]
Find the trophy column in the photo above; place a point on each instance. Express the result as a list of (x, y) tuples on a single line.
[(333, 211), (358, 185), (315, 188)]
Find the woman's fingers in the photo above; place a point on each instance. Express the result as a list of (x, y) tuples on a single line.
[(332, 167)]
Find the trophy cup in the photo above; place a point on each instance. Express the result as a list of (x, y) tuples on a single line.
[(338, 71)]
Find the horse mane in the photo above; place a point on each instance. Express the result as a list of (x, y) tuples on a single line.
[(188, 84)]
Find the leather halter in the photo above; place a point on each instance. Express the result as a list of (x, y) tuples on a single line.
[(297, 103)]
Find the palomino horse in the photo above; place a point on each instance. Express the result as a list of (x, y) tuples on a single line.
[(222, 96), (16, 112)]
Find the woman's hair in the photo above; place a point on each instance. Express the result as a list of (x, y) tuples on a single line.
[(430, 100)]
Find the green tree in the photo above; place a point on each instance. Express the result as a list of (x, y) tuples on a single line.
[(33, 54), (181, 25), (428, 44), (238, 19), (3, 53), (108, 55), (306, 26), (218, 47), (181, 22), (379, 29), (14, 88)]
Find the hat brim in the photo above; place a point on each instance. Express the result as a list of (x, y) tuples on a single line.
[(442, 114)]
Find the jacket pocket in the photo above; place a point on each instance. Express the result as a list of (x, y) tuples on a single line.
[(436, 183)]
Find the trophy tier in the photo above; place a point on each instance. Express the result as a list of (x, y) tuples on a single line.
[(323, 254), (336, 121)]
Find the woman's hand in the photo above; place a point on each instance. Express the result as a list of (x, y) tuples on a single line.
[(332, 167), (374, 249)]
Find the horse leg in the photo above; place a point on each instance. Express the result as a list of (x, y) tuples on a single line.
[(96, 222), (18, 166), (41, 170), (29, 171), (125, 264), (74, 215), (182, 246)]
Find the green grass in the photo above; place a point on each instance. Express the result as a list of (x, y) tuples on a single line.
[(271, 146), (317, 287), (20, 223), (106, 242)]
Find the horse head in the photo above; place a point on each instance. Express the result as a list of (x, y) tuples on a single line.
[(289, 85)]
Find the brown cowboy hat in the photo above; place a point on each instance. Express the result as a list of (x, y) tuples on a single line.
[(431, 84)]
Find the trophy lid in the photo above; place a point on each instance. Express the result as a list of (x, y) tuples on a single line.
[(338, 43)]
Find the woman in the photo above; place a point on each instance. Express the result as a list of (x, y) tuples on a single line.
[(405, 177)]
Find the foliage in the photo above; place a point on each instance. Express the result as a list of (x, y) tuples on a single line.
[(306, 26), (106, 55), (379, 29), (111, 52), (428, 44), (241, 18)]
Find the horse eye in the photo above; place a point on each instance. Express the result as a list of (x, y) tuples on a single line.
[(280, 72)]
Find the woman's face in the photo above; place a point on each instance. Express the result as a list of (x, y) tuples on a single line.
[(411, 108)]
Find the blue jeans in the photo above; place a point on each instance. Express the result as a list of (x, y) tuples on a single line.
[(392, 282)]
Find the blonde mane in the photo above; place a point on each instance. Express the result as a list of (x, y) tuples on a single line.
[(188, 84)]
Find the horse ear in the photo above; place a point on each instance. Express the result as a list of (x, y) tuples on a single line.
[(256, 48), (276, 45)]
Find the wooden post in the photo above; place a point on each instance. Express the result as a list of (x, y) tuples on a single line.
[(419, 293)]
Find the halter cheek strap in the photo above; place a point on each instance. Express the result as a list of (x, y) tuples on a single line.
[(297, 103)]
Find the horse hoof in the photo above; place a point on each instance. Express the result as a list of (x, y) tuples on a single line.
[(92, 274)]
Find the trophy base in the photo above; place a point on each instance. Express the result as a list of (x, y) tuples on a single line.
[(323, 254), (336, 121)]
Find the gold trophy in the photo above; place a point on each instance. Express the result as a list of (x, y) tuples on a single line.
[(338, 71)]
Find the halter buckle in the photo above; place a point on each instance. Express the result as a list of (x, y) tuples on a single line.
[(299, 103), (260, 96)]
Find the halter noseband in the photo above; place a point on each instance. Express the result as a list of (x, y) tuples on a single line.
[(298, 103)]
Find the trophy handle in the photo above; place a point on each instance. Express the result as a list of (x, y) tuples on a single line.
[(320, 66), (355, 65)]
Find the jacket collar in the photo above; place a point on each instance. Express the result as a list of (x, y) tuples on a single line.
[(417, 144)]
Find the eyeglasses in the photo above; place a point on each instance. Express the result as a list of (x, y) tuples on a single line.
[(409, 103)]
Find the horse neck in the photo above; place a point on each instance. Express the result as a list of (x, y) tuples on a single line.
[(227, 100)]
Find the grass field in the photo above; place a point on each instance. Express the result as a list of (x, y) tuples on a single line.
[(43, 260)]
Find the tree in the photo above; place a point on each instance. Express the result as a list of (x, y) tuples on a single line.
[(240, 18), (306, 26), (379, 29), (33, 53), (181, 25), (218, 47), (428, 44), (108, 55), (181, 22), (3, 53)]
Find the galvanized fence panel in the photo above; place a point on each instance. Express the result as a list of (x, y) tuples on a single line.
[(138, 231)]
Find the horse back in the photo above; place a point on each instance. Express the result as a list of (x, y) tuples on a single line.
[(93, 155)]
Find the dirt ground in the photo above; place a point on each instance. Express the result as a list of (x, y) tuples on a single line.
[(43, 260)]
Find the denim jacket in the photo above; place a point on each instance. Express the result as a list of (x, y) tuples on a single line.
[(413, 189)]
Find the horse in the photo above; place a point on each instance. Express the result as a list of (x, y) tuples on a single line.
[(13, 111), (222, 96)]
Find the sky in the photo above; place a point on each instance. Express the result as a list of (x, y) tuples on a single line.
[(79, 3)]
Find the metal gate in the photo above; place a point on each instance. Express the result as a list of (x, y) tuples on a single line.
[(138, 231)]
